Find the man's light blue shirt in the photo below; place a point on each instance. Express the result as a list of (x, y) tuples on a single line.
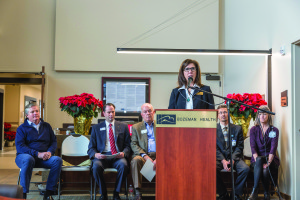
[(151, 138), (34, 125)]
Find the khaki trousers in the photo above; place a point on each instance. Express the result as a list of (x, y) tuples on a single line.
[(137, 164)]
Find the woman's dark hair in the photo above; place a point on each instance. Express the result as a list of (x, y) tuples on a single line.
[(181, 79)]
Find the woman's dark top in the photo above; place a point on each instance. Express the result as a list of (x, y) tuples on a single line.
[(257, 142), (178, 98)]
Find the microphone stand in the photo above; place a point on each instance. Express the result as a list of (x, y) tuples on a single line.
[(228, 101)]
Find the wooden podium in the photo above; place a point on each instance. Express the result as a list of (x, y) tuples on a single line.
[(186, 154)]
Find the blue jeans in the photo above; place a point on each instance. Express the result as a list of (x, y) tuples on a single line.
[(27, 162)]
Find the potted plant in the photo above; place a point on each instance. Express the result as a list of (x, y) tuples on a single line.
[(9, 136), (240, 114), (82, 108)]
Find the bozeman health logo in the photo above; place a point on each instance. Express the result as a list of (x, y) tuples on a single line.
[(166, 119)]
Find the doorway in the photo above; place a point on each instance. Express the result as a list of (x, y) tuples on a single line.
[(296, 116), (25, 82)]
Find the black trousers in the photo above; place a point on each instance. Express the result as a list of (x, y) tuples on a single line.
[(98, 168), (264, 174), (242, 172)]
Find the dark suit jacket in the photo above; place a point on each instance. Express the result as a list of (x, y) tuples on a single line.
[(237, 150), (98, 139), (139, 140), (178, 99)]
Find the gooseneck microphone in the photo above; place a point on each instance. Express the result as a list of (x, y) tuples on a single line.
[(189, 81)]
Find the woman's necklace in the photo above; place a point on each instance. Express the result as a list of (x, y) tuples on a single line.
[(189, 96)]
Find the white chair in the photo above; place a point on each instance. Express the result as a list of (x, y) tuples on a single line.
[(247, 148), (76, 146)]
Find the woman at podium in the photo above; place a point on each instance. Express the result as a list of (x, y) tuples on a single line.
[(196, 97)]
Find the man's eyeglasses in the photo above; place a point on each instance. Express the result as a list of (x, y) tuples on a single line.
[(190, 69)]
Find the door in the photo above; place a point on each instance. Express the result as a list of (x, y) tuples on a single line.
[(296, 117)]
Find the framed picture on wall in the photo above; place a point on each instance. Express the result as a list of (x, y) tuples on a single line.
[(126, 93)]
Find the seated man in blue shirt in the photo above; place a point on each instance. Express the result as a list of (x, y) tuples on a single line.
[(36, 144), (143, 145)]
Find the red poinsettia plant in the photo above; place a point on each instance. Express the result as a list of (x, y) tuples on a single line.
[(84, 104), (7, 126), (10, 135), (239, 110)]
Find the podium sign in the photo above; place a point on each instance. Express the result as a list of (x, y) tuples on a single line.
[(186, 154), (189, 119)]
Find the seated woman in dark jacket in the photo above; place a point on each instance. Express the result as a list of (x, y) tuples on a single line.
[(183, 97), (263, 142)]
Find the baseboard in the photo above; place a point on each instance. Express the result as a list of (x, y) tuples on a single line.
[(285, 196)]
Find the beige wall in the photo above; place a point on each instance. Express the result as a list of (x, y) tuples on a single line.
[(12, 102), (34, 28), (87, 34)]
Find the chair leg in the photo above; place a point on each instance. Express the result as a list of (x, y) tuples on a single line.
[(95, 194), (91, 191), (19, 177), (126, 188), (59, 187)]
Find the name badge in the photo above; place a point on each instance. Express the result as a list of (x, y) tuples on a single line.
[(102, 129), (199, 93), (272, 134), (144, 131), (233, 143)]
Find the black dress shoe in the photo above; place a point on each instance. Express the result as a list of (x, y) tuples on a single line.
[(103, 197), (224, 196), (237, 197), (254, 194), (267, 196), (48, 198), (116, 196)]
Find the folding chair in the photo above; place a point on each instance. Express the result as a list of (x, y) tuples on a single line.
[(34, 170), (76, 146)]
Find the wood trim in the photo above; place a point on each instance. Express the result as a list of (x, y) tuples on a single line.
[(269, 84), (30, 81), (42, 92)]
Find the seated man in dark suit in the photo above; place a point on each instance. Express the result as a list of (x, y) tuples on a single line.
[(223, 154), (143, 145), (108, 138), (36, 144)]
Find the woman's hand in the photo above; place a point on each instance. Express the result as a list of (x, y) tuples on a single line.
[(255, 156), (266, 165)]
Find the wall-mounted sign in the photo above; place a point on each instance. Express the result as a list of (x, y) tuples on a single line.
[(284, 99)]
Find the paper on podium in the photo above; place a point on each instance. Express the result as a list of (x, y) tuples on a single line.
[(111, 156), (147, 170)]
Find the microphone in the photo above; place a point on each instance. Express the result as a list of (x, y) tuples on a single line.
[(189, 81)]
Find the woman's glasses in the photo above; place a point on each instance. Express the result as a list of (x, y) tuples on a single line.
[(192, 69)]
